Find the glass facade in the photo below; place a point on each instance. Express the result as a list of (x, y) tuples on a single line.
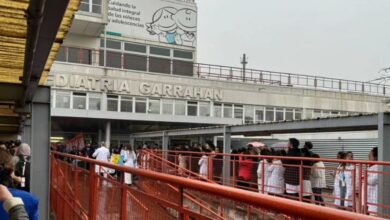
[(79, 100)]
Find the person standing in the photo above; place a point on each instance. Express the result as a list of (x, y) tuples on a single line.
[(276, 180), (263, 172), (372, 183), (340, 187), (102, 154), (130, 160), (22, 167), (245, 166), (317, 179), (291, 174), (204, 164)]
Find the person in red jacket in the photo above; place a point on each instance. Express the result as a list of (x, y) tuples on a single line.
[(245, 167)]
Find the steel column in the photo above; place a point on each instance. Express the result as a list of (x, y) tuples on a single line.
[(226, 160), (384, 155)]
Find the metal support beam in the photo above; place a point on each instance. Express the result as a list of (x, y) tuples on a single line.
[(165, 143), (384, 155), (40, 148), (108, 133), (226, 160)]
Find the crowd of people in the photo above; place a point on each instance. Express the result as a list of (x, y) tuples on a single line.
[(17, 201)]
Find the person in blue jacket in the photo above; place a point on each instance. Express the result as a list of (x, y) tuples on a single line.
[(31, 203)]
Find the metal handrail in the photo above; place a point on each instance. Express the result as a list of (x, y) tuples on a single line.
[(281, 205)]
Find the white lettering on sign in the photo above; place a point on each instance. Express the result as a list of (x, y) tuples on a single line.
[(114, 85)]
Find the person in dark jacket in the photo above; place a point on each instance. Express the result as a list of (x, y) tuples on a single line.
[(22, 167), (291, 174)]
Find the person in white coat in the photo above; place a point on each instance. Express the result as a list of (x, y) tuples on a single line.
[(275, 185), (340, 186), (102, 154), (372, 183), (262, 171), (204, 164), (350, 174), (130, 160), (318, 180)]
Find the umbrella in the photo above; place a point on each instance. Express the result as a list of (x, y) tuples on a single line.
[(280, 145), (256, 144)]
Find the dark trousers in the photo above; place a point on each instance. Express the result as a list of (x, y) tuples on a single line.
[(318, 196)]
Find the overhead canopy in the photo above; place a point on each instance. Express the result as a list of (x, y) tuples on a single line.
[(30, 36)]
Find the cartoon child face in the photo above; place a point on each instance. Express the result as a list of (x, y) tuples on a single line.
[(163, 20), (186, 19)]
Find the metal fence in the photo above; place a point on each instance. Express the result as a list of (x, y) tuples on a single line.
[(79, 192), (354, 189)]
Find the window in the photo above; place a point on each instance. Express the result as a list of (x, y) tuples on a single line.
[(269, 114), (167, 107), (61, 55), (204, 109), (79, 100), (334, 113), (94, 101), (126, 104), (114, 59), (159, 65), (217, 110), (325, 113), (183, 68), (289, 114), (77, 55), (140, 105), (62, 99), (227, 111), (316, 113), (309, 113), (238, 111), (279, 114), (249, 111), (94, 6), (134, 62), (112, 103), (298, 114), (259, 114), (160, 51), (154, 106), (183, 54), (192, 108), (135, 48), (180, 107), (111, 44)]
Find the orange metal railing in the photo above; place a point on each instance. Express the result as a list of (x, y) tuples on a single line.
[(78, 193), (355, 200)]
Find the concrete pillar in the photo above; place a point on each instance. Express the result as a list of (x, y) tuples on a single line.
[(100, 136), (215, 140), (108, 133), (132, 141), (165, 142), (384, 155), (226, 160)]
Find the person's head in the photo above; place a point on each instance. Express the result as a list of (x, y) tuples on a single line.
[(316, 156), (308, 145), (340, 154), (18, 143), (6, 168), (277, 153), (373, 155), (349, 155), (293, 143), (283, 152), (24, 150), (250, 146)]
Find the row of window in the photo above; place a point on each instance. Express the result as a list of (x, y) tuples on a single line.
[(121, 60), (121, 103), (91, 6)]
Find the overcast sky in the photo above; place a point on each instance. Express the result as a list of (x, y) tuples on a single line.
[(337, 38)]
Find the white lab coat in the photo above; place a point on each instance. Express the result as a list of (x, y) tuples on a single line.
[(317, 176), (130, 160), (349, 173), (372, 188), (339, 177), (203, 166), (263, 174), (101, 154), (276, 179)]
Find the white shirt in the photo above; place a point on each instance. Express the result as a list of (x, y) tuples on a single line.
[(129, 157), (263, 174), (317, 176), (276, 180), (203, 165), (101, 154), (372, 188)]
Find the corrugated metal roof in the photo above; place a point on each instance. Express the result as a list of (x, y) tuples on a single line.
[(13, 33)]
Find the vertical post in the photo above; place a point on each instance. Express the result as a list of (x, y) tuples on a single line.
[(40, 149), (165, 141), (384, 155), (244, 62), (226, 159), (108, 133), (93, 203), (360, 187), (105, 46), (181, 203), (301, 181), (132, 141), (215, 140)]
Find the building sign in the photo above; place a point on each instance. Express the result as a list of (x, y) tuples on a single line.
[(124, 86), (171, 22)]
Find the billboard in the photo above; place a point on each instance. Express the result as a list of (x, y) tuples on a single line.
[(171, 22)]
